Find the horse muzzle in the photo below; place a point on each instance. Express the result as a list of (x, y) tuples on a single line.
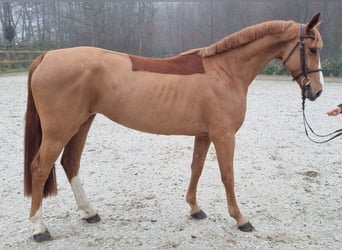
[(310, 93)]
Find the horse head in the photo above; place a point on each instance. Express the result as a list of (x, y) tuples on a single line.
[(302, 60)]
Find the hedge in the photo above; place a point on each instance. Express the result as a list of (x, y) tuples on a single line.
[(330, 67)]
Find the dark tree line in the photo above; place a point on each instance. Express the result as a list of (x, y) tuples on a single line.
[(154, 28)]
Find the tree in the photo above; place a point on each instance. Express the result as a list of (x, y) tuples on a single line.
[(156, 28), (7, 22)]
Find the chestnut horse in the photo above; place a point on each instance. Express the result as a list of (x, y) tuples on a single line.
[(201, 93)]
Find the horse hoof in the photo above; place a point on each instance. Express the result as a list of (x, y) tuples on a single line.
[(42, 236), (200, 215), (248, 227), (96, 218)]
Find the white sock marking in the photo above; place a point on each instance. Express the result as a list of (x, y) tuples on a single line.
[(81, 198), (38, 226)]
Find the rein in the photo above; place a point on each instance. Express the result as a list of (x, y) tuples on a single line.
[(305, 81), (307, 127)]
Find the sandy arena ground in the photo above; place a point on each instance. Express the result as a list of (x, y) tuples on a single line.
[(289, 187)]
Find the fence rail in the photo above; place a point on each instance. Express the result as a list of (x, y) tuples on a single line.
[(21, 51), (11, 59)]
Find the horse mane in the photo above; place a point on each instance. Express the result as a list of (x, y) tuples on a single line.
[(242, 37)]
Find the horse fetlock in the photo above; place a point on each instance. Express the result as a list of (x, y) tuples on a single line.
[(39, 230), (88, 211), (241, 220), (38, 227), (194, 208), (191, 200)]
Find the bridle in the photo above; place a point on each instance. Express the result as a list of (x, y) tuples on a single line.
[(303, 61), (306, 81)]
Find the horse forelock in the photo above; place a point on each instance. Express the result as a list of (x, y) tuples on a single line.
[(244, 36)]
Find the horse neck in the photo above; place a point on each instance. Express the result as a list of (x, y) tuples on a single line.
[(247, 61)]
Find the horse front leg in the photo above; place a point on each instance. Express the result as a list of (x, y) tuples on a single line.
[(224, 146), (200, 151)]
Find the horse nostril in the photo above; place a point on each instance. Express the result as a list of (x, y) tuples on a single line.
[(319, 93)]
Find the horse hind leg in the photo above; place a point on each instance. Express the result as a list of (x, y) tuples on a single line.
[(200, 151), (41, 168), (71, 163)]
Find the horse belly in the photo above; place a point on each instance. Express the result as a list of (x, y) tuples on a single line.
[(153, 120), (150, 112)]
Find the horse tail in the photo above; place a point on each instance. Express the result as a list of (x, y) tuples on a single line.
[(33, 139)]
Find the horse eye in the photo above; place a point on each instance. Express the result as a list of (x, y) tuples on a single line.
[(313, 50)]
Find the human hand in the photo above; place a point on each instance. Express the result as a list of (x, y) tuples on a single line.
[(334, 111)]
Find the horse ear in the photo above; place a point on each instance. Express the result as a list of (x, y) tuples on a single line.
[(313, 22)]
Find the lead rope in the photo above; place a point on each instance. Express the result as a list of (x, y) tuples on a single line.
[(333, 135)]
